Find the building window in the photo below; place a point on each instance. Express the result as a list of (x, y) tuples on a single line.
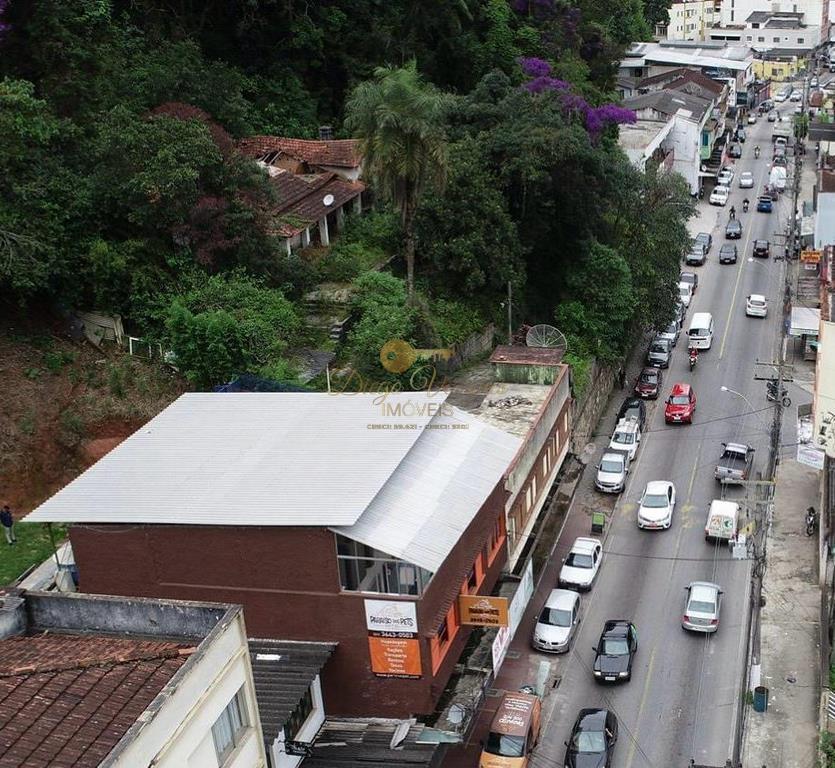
[(800, 40), (443, 633), (776, 39), (472, 581), (365, 569), (299, 716), (749, 38), (760, 39), (230, 727)]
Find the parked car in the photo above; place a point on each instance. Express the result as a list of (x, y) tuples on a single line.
[(741, 135), (756, 305), (671, 332), (685, 293), (681, 404), (612, 471), (558, 621), (633, 408), (657, 505), (626, 437), (733, 229), (813, 83), (772, 117), (659, 353), (780, 161), (746, 180), (706, 239), (696, 256), (796, 96), (765, 106), (592, 741), (649, 383), (735, 463), (615, 651), (765, 204), (580, 567), (719, 196), (762, 248), (728, 253), (725, 177), (689, 277), (752, 118), (735, 150), (702, 606)]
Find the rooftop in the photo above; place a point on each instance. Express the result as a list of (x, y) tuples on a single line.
[(513, 408), (523, 355), (74, 687), (670, 102), (760, 17), (640, 134), (338, 153), (713, 54)]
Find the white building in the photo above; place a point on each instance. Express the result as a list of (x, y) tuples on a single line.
[(766, 31), (738, 12), (689, 19), (126, 683)]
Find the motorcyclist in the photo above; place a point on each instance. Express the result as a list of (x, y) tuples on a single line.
[(694, 356), (733, 212), (757, 151), (745, 204)]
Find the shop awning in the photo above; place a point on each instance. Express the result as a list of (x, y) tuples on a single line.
[(805, 321)]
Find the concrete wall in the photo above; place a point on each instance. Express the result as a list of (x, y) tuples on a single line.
[(589, 408), (287, 579)]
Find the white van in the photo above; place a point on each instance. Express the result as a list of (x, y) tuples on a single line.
[(722, 520), (701, 330), (777, 178)]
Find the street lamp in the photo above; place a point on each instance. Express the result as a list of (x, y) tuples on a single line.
[(747, 401)]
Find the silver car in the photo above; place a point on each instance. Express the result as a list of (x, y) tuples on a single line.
[(558, 622), (702, 606)]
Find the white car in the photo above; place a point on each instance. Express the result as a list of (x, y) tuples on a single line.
[(719, 196), (752, 118), (626, 437), (756, 305), (746, 180), (557, 622), (685, 293), (580, 568), (611, 472), (657, 505), (796, 96), (725, 177)]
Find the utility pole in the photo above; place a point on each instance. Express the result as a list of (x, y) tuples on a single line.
[(509, 312)]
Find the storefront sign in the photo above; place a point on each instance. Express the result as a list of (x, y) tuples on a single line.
[(393, 638), (514, 614), (482, 610), (810, 257)]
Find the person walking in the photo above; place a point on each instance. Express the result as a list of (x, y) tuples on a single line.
[(7, 521), (622, 377)]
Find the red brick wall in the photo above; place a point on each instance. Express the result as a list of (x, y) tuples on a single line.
[(288, 582)]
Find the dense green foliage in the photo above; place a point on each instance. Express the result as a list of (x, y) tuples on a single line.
[(123, 190)]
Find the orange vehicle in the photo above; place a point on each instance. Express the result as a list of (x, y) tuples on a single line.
[(514, 732)]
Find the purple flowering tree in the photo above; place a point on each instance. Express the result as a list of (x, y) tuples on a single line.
[(4, 26)]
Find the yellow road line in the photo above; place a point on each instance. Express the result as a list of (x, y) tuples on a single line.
[(693, 476), (634, 741)]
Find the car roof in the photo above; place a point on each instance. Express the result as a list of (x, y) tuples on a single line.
[(761, 240), (616, 627), (657, 486), (757, 297), (613, 455), (688, 274), (728, 247), (700, 590), (561, 598), (592, 719), (650, 369), (747, 173), (627, 425), (584, 544), (680, 388)]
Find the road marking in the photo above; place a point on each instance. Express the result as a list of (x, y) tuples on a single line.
[(633, 742), (693, 475)]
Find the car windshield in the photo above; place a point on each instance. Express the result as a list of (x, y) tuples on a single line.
[(659, 347), (701, 606), (615, 646), (679, 399), (611, 466), (684, 290), (504, 745), (671, 328), (698, 332), (624, 438), (756, 302), (655, 500), (555, 617), (578, 560), (589, 741), (649, 378), (747, 175)]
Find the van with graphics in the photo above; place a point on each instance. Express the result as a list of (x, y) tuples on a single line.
[(514, 732)]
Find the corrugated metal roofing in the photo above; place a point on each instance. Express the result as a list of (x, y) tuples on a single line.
[(253, 458), (283, 671), (439, 487)]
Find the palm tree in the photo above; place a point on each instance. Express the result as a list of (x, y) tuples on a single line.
[(399, 121)]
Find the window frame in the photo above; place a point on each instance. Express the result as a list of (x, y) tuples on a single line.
[(235, 709)]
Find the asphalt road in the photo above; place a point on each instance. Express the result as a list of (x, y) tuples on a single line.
[(682, 700)]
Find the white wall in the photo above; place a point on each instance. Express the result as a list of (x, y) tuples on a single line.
[(306, 733), (742, 9), (685, 138), (807, 37), (179, 734)]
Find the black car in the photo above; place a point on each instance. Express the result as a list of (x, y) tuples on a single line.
[(689, 277), (633, 408), (593, 739), (727, 253), (614, 651), (733, 230), (762, 248), (706, 239)]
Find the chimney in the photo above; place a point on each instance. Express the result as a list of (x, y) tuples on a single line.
[(325, 133)]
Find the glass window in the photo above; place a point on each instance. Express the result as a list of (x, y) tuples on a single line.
[(299, 716), (443, 633), (365, 569), (800, 40), (230, 727), (472, 580)]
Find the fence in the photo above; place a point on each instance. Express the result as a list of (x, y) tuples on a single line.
[(449, 359), (98, 328)]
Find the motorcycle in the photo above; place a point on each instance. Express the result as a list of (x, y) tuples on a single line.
[(745, 204), (771, 394), (694, 357), (757, 152), (701, 193), (811, 521)]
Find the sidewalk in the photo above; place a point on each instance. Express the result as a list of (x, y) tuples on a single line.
[(786, 735)]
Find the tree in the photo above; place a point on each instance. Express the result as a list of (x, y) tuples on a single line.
[(399, 120)]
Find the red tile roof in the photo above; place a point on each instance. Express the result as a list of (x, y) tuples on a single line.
[(300, 199), (339, 153), (66, 700)]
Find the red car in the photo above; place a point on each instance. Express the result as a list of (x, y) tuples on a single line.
[(649, 383), (681, 404)]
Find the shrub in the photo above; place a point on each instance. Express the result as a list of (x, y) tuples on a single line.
[(454, 321)]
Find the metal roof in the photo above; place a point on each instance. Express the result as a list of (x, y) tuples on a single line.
[(439, 487), (825, 220), (283, 671), (253, 458)]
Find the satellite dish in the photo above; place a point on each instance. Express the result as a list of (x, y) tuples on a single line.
[(327, 200), (546, 336)]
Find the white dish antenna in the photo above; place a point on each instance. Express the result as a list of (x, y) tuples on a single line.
[(546, 336), (327, 200)]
